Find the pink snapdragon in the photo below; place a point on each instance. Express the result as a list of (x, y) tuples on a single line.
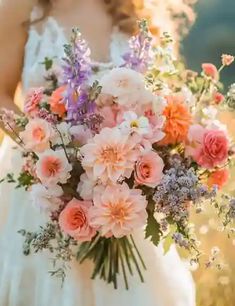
[(32, 101)]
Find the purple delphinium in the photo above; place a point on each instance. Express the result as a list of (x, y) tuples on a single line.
[(77, 70), (138, 57), (179, 186)]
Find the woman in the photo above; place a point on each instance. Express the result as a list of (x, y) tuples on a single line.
[(106, 25)]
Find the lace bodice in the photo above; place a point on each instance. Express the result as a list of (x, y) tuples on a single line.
[(49, 43)]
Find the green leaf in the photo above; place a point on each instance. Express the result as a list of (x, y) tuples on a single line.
[(153, 229), (167, 242), (48, 63)]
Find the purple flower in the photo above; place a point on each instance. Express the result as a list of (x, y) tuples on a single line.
[(138, 57), (77, 70), (179, 186)]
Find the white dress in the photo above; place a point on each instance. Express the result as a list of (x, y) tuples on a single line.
[(24, 281)]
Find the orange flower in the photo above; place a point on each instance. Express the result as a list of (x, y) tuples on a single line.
[(57, 101), (177, 122), (219, 178)]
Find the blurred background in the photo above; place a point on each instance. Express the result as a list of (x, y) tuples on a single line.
[(213, 34)]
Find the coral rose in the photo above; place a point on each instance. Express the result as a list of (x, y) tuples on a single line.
[(218, 178), (57, 101), (210, 70), (148, 170), (213, 150), (218, 97), (178, 119), (74, 220)]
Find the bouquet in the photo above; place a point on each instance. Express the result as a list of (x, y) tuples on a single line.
[(137, 150)]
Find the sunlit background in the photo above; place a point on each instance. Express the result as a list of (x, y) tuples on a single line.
[(212, 35)]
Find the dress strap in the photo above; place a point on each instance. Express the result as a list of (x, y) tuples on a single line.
[(36, 13)]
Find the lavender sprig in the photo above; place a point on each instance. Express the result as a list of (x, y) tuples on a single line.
[(77, 70), (179, 186), (138, 57)]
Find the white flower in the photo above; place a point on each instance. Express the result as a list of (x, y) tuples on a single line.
[(189, 98), (159, 103), (231, 92), (86, 187), (63, 131), (216, 125), (210, 112), (53, 167), (81, 134), (133, 123), (125, 85), (46, 199)]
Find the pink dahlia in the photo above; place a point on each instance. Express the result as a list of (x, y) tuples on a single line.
[(109, 156), (118, 210)]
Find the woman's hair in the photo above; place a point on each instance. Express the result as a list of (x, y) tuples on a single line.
[(174, 16)]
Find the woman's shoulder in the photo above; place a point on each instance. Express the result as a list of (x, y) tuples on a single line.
[(15, 12)]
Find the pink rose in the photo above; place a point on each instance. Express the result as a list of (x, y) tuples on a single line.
[(210, 70), (213, 150), (33, 99), (74, 221), (218, 97), (227, 59), (148, 170)]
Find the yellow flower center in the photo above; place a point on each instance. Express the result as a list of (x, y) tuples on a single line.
[(110, 155), (134, 124)]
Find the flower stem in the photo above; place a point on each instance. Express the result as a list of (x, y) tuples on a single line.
[(138, 253)]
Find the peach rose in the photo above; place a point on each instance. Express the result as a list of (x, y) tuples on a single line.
[(218, 178), (37, 134), (57, 101), (210, 70), (74, 221), (213, 150), (148, 170)]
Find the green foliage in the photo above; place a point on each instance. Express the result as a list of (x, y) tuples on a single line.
[(48, 63), (25, 180), (153, 230)]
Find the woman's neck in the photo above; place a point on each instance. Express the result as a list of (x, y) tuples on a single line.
[(92, 19)]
